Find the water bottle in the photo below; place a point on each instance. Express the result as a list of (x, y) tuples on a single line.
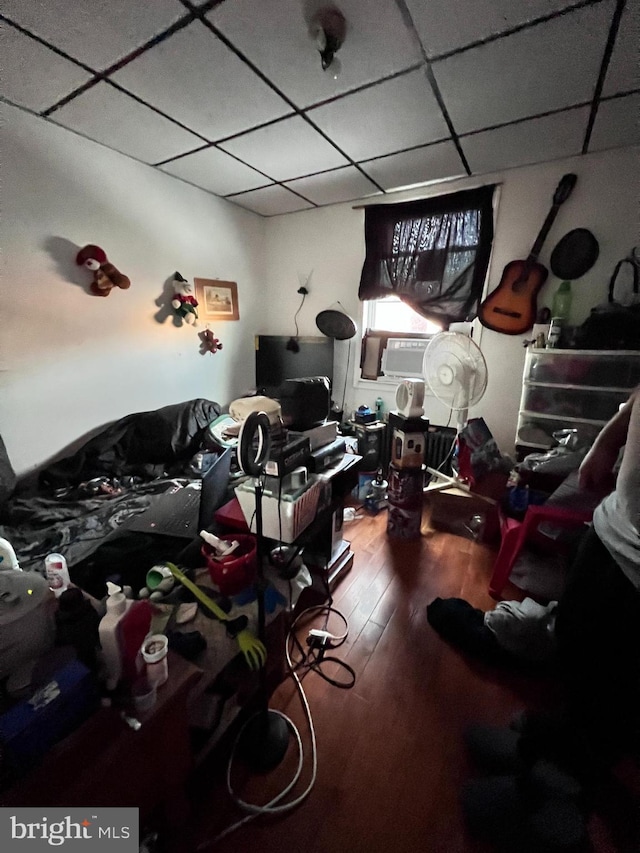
[(561, 306), (379, 408)]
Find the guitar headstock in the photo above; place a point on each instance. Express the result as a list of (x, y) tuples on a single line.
[(564, 188)]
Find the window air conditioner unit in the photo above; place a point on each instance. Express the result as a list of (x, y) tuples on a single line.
[(403, 357)]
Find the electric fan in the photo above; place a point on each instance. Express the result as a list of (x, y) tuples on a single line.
[(455, 370)]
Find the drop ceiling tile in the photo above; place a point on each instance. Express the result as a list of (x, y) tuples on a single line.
[(546, 67), (420, 166), (274, 35), (617, 123), (533, 141), (334, 187), (287, 149), (34, 76), (399, 113), (97, 32), (196, 79), (270, 201), (216, 171), (623, 73), (445, 25), (106, 115)]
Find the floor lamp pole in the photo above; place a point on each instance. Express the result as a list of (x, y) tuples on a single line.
[(265, 738)]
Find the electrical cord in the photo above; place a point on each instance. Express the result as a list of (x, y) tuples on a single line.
[(447, 458), (319, 642), (275, 805), (304, 292), (346, 374)]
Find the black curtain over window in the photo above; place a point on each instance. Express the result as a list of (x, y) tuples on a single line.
[(432, 253)]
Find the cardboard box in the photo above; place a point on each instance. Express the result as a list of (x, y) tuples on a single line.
[(463, 513)]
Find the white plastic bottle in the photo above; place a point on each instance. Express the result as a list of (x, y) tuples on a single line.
[(117, 606), (56, 573), (8, 559)]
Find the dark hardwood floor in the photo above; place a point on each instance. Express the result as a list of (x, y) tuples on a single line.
[(391, 759)]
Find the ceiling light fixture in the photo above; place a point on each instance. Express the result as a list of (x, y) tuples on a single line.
[(328, 30)]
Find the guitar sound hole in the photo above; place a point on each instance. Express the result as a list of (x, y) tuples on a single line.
[(507, 313)]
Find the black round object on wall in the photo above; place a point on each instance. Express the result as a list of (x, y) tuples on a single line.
[(336, 324), (574, 254)]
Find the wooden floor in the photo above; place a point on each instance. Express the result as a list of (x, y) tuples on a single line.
[(391, 760)]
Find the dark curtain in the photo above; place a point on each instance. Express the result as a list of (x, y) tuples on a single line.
[(432, 253)]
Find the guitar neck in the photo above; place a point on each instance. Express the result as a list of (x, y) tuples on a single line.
[(542, 236)]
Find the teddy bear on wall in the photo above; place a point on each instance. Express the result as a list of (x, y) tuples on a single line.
[(184, 302), (209, 342), (105, 275)]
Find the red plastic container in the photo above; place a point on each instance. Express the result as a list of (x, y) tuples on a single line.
[(236, 572)]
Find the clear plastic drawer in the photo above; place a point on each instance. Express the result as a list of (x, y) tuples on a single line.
[(595, 369), (538, 431), (590, 405)]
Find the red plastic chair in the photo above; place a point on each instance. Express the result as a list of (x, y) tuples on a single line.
[(516, 533)]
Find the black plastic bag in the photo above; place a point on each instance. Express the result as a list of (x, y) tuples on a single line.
[(613, 326)]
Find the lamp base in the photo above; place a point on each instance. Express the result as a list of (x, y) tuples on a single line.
[(264, 741)]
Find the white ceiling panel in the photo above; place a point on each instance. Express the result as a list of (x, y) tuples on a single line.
[(420, 166), (32, 75), (106, 115), (259, 93), (400, 113), (285, 150), (544, 68), (216, 171), (274, 35), (533, 141), (623, 73), (617, 124), (97, 32), (445, 25), (196, 79), (333, 187), (271, 201)]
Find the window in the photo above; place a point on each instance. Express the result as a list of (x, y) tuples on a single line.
[(433, 254), (391, 318), (391, 314), (425, 268)]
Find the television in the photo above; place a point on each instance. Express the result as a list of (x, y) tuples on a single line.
[(277, 360)]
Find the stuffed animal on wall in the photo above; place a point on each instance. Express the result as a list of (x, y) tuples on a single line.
[(105, 275), (184, 302), (209, 342)]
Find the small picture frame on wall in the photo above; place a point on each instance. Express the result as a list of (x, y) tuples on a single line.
[(217, 300)]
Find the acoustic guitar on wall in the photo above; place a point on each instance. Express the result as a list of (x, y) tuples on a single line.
[(511, 307)]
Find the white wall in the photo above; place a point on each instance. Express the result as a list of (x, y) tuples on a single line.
[(69, 361), (329, 243)]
